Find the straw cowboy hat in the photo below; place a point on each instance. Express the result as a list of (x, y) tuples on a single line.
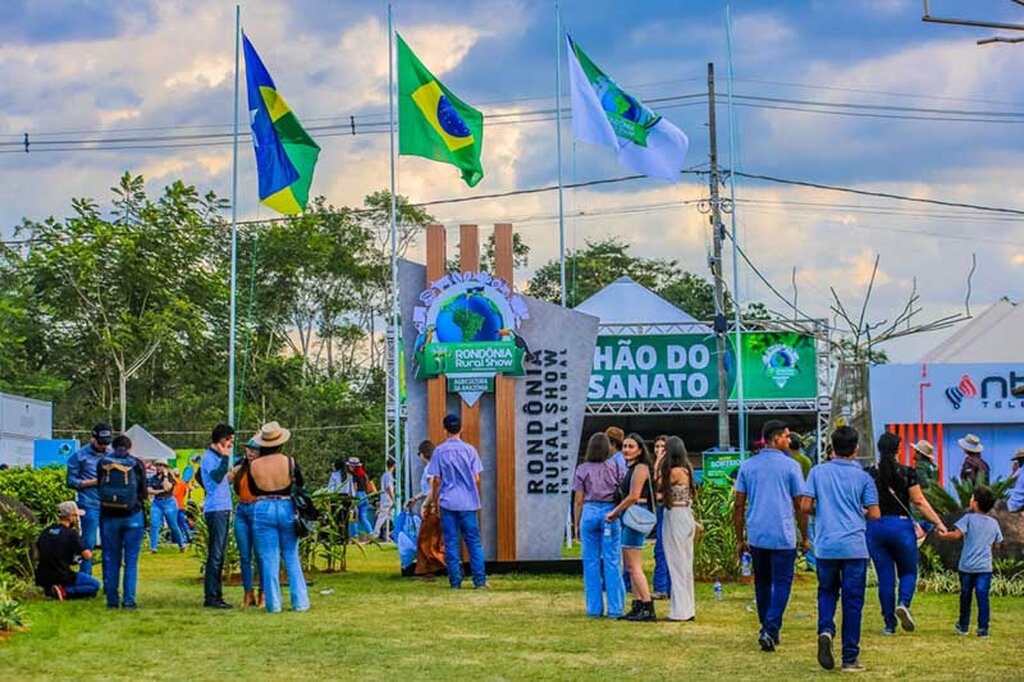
[(971, 443), (271, 435), (353, 462), (1018, 455), (925, 449)]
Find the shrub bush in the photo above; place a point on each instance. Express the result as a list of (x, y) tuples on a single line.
[(41, 490), (12, 616), (715, 552)]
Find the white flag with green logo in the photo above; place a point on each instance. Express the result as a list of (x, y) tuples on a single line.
[(602, 113)]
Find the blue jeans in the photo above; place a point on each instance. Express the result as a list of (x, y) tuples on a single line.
[(122, 543), (849, 577), (274, 526), (662, 579), (979, 584), (216, 545), (773, 580), (245, 529), (362, 525), (602, 558), (893, 548), (454, 523), (90, 524), (186, 532), (84, 587), (160, 511)]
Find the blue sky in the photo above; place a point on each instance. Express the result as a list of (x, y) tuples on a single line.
[(109, 69)]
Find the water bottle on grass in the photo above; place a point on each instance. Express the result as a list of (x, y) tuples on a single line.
[(718, 589), (745, 565)]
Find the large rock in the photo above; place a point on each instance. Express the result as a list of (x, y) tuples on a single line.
[(9, 504)]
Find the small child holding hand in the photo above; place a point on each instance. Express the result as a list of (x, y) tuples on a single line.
[(979, 532)]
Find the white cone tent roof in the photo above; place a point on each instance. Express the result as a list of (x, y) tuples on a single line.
[(627, 303), (994, 336), (147, 446)]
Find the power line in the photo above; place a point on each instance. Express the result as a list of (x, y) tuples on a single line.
[(884, 195)]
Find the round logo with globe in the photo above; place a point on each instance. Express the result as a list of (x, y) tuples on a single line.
[(469, 329), (780, 363)]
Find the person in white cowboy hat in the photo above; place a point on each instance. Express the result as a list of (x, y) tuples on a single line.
[(973, 465), (270, 479), (924, 463), (163, 507), (1015, 503)]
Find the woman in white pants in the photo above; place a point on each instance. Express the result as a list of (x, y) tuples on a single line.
[(678, 492)]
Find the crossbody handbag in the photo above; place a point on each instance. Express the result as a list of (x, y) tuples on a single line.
[(640, 518)]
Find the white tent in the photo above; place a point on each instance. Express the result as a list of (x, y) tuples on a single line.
[(147, 446), (626, 303), (994, 336)]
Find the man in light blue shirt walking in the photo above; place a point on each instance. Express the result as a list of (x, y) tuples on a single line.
[(81, 476), (768, 490), (840, 493), (455, 489), (1016, 501)]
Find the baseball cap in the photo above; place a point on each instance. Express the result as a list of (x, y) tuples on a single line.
[(68, 509), (452, 423), (103, 433)]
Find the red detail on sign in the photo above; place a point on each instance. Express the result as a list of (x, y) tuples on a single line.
[(968, 387)]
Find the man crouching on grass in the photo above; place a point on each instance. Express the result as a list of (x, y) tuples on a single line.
[(60, 547), (838, 493)]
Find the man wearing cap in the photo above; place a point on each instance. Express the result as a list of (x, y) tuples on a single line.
[(973, 465), (60, 546), (924, 463), (455, 490), (1015, 503), (164, 507), (81, 476), (217, 511)]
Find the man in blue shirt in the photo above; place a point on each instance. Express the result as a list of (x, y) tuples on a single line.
[(840, 493), (455, 490), (217, 511), (768, 490), (81, 476), (1016, 501)]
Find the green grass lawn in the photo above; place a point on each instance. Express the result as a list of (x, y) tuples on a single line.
[(376, 625)]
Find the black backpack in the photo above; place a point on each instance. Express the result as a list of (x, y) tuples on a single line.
[(116, 478)]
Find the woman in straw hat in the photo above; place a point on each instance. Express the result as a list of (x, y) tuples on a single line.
[(973, 465), (270, 478)]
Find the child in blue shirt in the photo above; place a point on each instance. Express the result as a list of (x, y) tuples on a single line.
[(979, 532)]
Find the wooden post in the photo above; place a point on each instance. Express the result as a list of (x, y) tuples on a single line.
[(437, 388), (505, 419), (469, 259)]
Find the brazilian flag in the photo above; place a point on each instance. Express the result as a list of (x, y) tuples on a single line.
[(433, 122), (285, 153)]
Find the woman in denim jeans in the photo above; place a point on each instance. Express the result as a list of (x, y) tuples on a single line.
[(270, 478), (594, 484), (245, 526), (892, 540)]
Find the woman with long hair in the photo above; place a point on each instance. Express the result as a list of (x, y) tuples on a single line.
[(595, 484), (271, 476), (429, 542), (662, 582), (892, 538), (678, 492), (636, 488)]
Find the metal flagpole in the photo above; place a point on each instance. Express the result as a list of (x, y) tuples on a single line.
[(741, 417), (559, 38), (395, 331), (234, 229)]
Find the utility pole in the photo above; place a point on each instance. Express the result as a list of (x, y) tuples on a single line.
[(717, 229)]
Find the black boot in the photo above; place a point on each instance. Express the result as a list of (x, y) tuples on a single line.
[(637, 607), (645, 614)]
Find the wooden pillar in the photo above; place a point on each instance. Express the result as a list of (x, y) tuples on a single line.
[(505, 419), (437, 389), (469, 260)]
